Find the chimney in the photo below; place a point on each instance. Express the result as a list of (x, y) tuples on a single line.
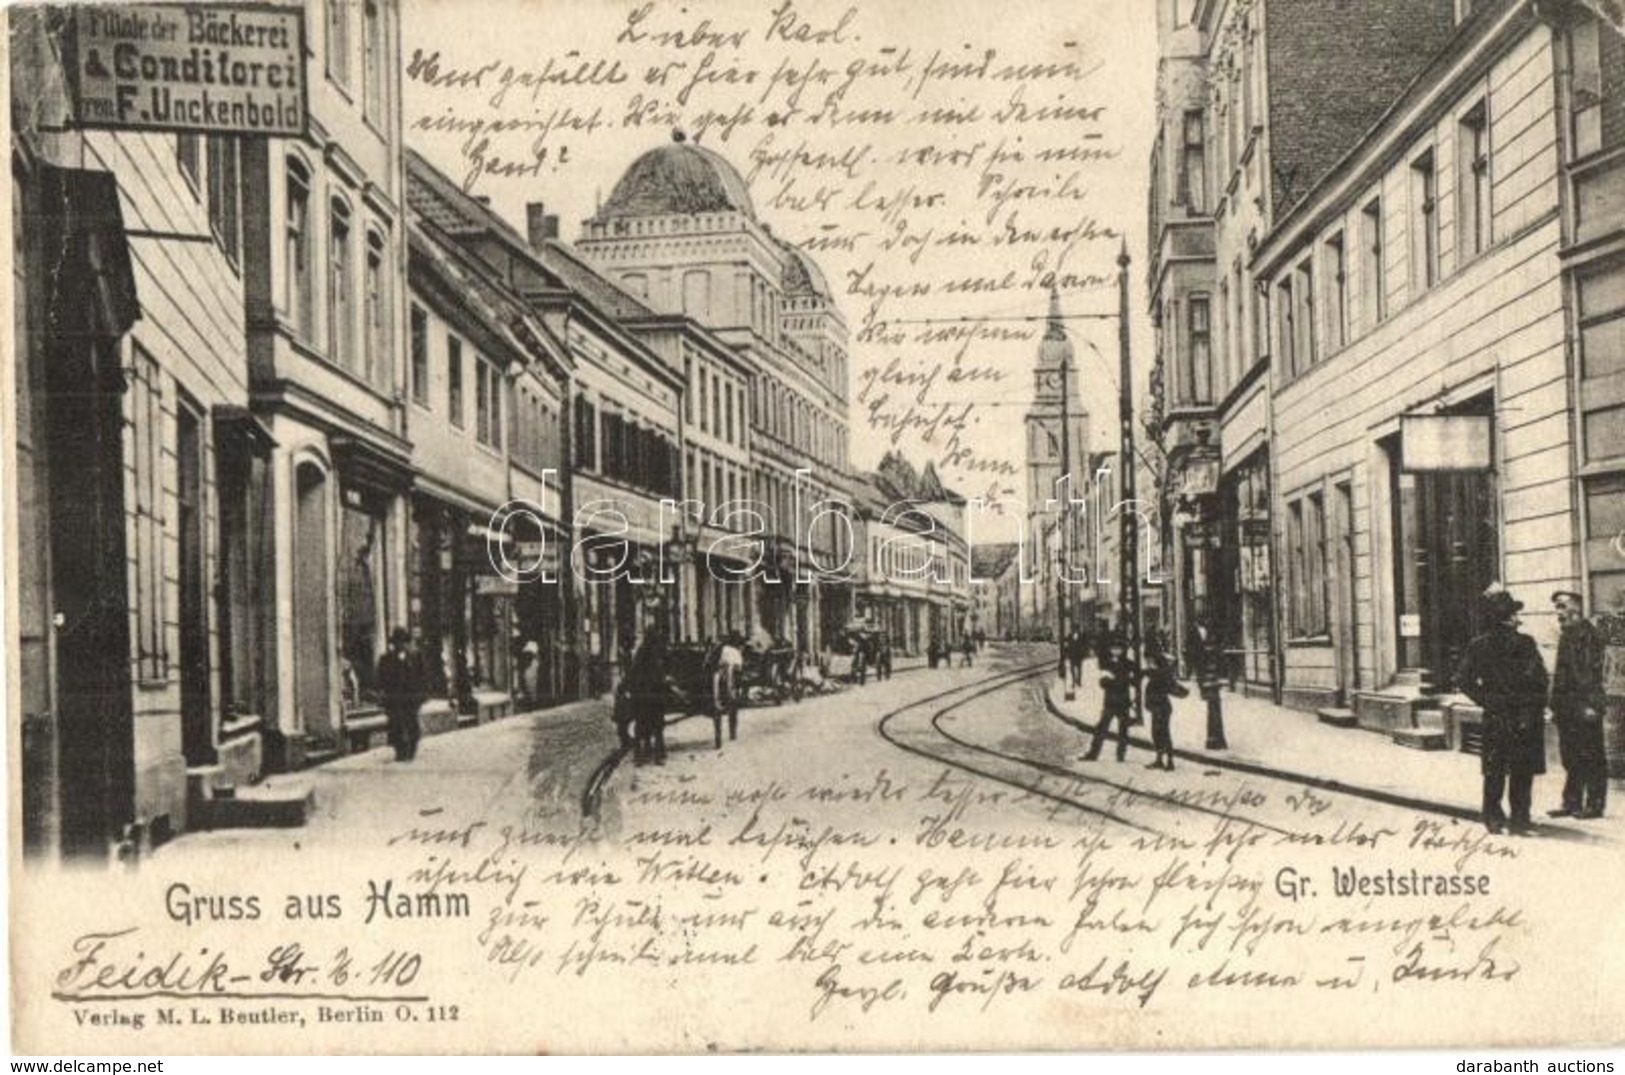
[(540, 225)]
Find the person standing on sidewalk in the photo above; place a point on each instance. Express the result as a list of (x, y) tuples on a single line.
[(400, 686), (1077, 648), (1161, 688), (1503, 674), (1578, 703), (1116, 680)]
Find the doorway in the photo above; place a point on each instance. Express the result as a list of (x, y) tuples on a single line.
[(1348, 630), (312, 690), (197, 729)]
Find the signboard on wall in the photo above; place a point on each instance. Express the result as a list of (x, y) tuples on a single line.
[(200, 68), (1430, 442)]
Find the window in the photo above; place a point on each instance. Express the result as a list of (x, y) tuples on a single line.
[(1424, 222), (1373, 282), (225, 195), (1303, 290), (340, 320), (1193, 165), (1601, 295), (487, 403), (730, 432), (338, 41), (372, 60), (1286, 336), (187, 154), (1314, 537), (1337, 318), (1221, 336), (377, 357), (697, 294), (1585, 96), (301, 308), (147, 433), (454, 380), (705, 407), (1199, 352), (586, 430), (1238, 326), (1247, 76), (420, 356), (1473, 184)]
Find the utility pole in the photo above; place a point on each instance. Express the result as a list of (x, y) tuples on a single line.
[(1063, 574), (1128, 519)]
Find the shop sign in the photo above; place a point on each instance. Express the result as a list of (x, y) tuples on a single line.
[(1199, 475), (202, 68), (1255, 567), (494, 586), (1430, 442)]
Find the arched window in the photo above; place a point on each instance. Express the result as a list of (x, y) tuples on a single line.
[(340, 304), (377, 371), (300, 306)]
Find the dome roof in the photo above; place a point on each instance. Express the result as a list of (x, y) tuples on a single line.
[(802, 274), (675, 179)]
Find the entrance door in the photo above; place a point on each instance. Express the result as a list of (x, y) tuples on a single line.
[(1348, 638), (1458, 531), (197, 731)]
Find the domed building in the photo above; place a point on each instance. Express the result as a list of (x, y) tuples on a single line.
[(680, 232)]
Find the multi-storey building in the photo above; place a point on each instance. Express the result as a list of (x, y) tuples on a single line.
[(679, 232), (995, 576), (143, 610), (1244, 128), (625, 429), (1422, 405), (487, 385), (324, 280)]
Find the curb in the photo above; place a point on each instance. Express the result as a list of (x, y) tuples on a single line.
[(1390, 798)]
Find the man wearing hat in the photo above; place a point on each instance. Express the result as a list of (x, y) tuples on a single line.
[(1503, 674), (1578, 703), (400, 686)]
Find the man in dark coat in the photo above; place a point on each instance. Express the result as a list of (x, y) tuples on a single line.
[(1077, 648), (1503, 674), (646, 692), (400, 685), (1117, 684), (1578, 704)]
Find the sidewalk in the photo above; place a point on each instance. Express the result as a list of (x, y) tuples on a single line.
[(1270, 740)]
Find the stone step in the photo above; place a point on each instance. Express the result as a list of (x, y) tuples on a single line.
[(1428, 737), (279, 802), (1338, 718)]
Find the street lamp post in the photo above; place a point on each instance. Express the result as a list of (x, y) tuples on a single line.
[(1129, 519)]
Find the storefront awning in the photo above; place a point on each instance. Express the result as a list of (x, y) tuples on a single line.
[(90, 287), (245, 427)]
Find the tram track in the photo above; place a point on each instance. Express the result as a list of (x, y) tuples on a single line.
[(987, 758)]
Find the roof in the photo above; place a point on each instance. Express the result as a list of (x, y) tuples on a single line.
[(802, 276), (575, 273), (678, 178), (482, 296), (431, 194), (990, 561)]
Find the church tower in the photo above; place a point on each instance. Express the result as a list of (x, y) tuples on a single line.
[(1056, 398), (1055, 373)]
